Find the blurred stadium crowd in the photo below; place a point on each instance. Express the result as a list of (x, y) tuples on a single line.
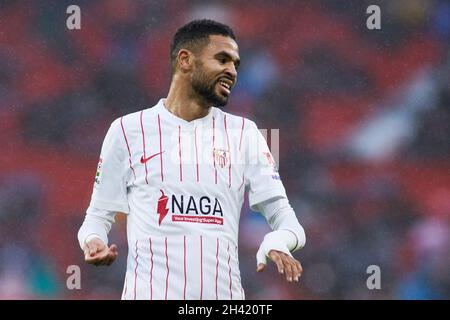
[(364, 119)]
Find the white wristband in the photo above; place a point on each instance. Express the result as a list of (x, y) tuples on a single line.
[(92, 236), (275, 240)]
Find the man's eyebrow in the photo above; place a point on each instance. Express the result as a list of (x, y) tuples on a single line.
[(228, 56)]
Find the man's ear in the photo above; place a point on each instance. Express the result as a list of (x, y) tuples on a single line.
[(185, 60)]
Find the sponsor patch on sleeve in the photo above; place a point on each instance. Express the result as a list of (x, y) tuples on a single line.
[(98, 173)]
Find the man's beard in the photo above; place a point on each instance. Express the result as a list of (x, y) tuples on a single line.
[(207, 88)]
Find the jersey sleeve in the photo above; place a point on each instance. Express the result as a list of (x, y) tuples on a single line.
[(110, 184), (262, 179)]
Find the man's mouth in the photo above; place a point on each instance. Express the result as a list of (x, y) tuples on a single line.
[(226, 85)]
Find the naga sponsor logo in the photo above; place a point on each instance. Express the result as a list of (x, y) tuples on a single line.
[(162, 206), (185, 208)]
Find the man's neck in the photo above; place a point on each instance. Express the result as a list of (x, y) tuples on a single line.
[(182, 103)]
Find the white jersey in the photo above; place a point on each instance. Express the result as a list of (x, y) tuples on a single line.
[(182, 187)]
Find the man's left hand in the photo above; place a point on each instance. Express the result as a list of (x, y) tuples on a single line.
[(286, 265)]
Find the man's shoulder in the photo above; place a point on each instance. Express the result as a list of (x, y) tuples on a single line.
[(133, 119), (136, 116), (234, 120)]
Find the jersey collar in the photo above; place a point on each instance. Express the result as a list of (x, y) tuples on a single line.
[(179, 121)]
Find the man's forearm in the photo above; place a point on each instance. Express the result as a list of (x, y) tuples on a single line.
[(282, 219)]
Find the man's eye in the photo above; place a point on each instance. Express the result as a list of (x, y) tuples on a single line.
[(222, 60)]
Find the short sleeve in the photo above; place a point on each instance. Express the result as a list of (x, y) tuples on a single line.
[(110, 183), (262, 179)]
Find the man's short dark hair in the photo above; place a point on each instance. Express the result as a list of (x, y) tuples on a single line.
[(195, 35)]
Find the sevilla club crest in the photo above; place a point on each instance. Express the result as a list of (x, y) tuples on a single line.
[(221, 157)]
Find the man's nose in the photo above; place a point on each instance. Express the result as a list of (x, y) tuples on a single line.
[(231, 71)]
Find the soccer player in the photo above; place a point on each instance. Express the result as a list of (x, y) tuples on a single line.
[(179, 171)]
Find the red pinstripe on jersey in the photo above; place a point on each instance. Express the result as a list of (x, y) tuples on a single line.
[(242, 132), (167, 266), (179, 149), (229, 273), (214, 158), (185, 279), (160, 148), (135, 270), (151, 269), (229, 151), (239, 275), (143, 147), (201, 267), (240, 144), (217, 265), (128, 147), (196, 153)]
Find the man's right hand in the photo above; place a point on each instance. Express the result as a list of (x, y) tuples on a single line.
[(96, 253)]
